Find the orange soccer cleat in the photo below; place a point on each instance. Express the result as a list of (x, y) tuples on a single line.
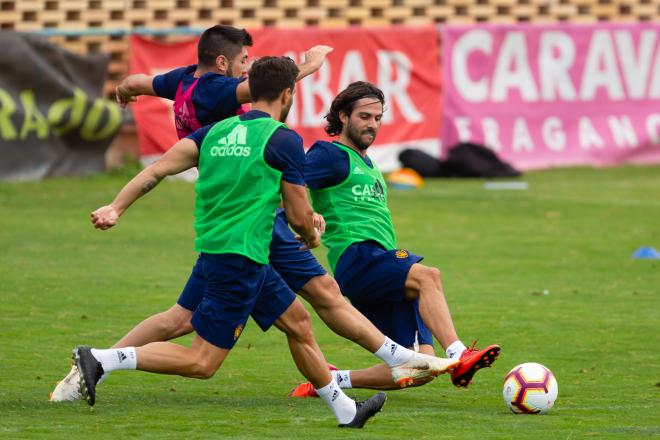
[(307, 389), (473, 359), (303, 390)]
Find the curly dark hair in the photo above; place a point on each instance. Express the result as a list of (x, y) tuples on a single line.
[(345, 101)]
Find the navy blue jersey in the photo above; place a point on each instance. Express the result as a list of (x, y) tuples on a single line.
[(326, 165), (214, 96), (284, 150)]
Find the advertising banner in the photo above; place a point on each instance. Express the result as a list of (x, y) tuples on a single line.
[(53, 120), (554, 95), (403, 62)]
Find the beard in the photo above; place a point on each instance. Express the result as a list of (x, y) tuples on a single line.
[(285, 111), (355, 135)]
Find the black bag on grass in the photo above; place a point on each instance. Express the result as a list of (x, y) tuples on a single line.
[(464, 160), (425, 164), (473, 160)]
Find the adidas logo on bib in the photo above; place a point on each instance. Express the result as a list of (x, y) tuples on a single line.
[(358, 170), (234, 144)]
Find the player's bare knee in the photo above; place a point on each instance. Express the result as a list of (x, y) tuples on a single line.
[(434, 274), (181, 324), (330, 288), (323, 292), (420, 275), (425, 274), (302, 331), (184, 328), (176, 321), (204, 368)]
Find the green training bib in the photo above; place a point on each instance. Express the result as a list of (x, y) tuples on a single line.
[(237, 191), (356, 209)]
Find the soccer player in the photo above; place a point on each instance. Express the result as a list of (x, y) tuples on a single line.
[(299, 269), (238, 190), (402, 297), (215, 87)]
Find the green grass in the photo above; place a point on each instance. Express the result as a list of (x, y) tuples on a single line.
[(571, 234)]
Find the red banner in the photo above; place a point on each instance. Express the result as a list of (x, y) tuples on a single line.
[(403, 62)]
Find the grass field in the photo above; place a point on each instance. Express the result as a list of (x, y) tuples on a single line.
[(571, 235)]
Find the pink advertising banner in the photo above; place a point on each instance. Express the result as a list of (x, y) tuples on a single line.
[(556, 95)]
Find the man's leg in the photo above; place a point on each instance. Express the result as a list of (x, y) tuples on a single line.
[(403, 367), (323, 294), (399, 318), (424, 283), (200, 361), (175, 321), (170, 324), (231, 288), (163, 326), (304, 275), (379, 377), (277, 305), (295, 322)]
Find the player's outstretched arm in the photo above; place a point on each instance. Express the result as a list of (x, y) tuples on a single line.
[(314, 59), (132, 86), (182, 156), (299, 214)]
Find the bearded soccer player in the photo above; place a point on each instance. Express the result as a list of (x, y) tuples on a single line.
[(402, 297), (237, 190), (218, 96)]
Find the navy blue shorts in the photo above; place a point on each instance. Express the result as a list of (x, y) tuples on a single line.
[(374, 280), (296, 267), (235, 287)]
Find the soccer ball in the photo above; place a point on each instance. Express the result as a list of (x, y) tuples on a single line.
[(530, 388)]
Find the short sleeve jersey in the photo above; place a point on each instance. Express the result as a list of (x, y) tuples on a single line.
[(214, 97)]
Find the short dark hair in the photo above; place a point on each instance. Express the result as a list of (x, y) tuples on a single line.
[(269, 76), (221, 40), (345, 101)]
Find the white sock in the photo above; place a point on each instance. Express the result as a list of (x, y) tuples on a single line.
[(343, 378), (392, 353), (116, 358), (455, 349), (343, 406)]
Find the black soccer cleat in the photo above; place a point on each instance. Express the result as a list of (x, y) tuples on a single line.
[(366, 410), (90, 372)]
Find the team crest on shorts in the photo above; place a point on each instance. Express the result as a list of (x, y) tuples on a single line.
[(238, 331), (401, 253)]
